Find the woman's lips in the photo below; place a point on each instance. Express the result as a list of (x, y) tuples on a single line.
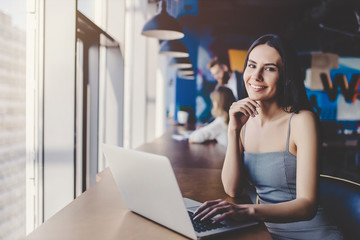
[(257, 87)]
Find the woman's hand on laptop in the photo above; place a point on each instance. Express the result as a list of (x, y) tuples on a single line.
[(219, 210)]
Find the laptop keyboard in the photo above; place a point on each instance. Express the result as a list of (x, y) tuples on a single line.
[(204, 226)]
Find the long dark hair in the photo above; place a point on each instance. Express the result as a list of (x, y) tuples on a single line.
[(291, 95)]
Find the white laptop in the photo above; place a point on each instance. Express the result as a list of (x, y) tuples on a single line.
[(149, 188)]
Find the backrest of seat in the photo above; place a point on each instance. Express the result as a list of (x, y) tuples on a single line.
[(341, 201)]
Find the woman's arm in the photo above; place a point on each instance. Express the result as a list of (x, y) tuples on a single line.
[(231, 174), (208, 132), (232, 171)]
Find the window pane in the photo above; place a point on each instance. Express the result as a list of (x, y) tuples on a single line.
[(12, 118), (87, 7)]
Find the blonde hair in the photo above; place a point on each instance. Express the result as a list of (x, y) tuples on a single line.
[(223, 97)]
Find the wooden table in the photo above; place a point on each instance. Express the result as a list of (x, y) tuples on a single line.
[(99, 213), (185, 155)]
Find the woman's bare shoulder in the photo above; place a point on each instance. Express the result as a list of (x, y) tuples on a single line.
[(304, 121), (304, 115)]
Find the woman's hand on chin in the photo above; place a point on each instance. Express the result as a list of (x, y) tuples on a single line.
[(241, 111)]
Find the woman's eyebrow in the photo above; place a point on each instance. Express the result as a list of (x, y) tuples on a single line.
[(266, 64), (271, 64)]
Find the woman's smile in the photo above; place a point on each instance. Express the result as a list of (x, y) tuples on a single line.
[(257, 88)]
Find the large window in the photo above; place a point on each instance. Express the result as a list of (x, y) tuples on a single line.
[(76, 98), (12, 119), (74, 103)]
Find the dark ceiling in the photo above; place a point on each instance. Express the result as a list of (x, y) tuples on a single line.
[(313, 25), (259, 16)]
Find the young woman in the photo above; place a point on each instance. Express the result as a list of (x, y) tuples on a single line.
[(221, 98), (273, 145)]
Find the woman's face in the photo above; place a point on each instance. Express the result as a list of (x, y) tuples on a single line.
[(262, 73), (220, 73)]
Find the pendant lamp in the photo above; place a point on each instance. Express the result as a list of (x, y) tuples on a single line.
[(185, 71), (181, 62), (187, 77), (174, 48), (163, 26)]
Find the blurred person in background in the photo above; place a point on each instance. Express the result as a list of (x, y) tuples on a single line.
[(219, 67), (221, 98)]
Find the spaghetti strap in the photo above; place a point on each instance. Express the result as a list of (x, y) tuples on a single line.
[(288, 133), (244, 128)]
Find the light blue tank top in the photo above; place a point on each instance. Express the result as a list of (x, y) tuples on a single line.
[(273, 175)]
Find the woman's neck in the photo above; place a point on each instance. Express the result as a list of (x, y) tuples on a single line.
[(268, 112)]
